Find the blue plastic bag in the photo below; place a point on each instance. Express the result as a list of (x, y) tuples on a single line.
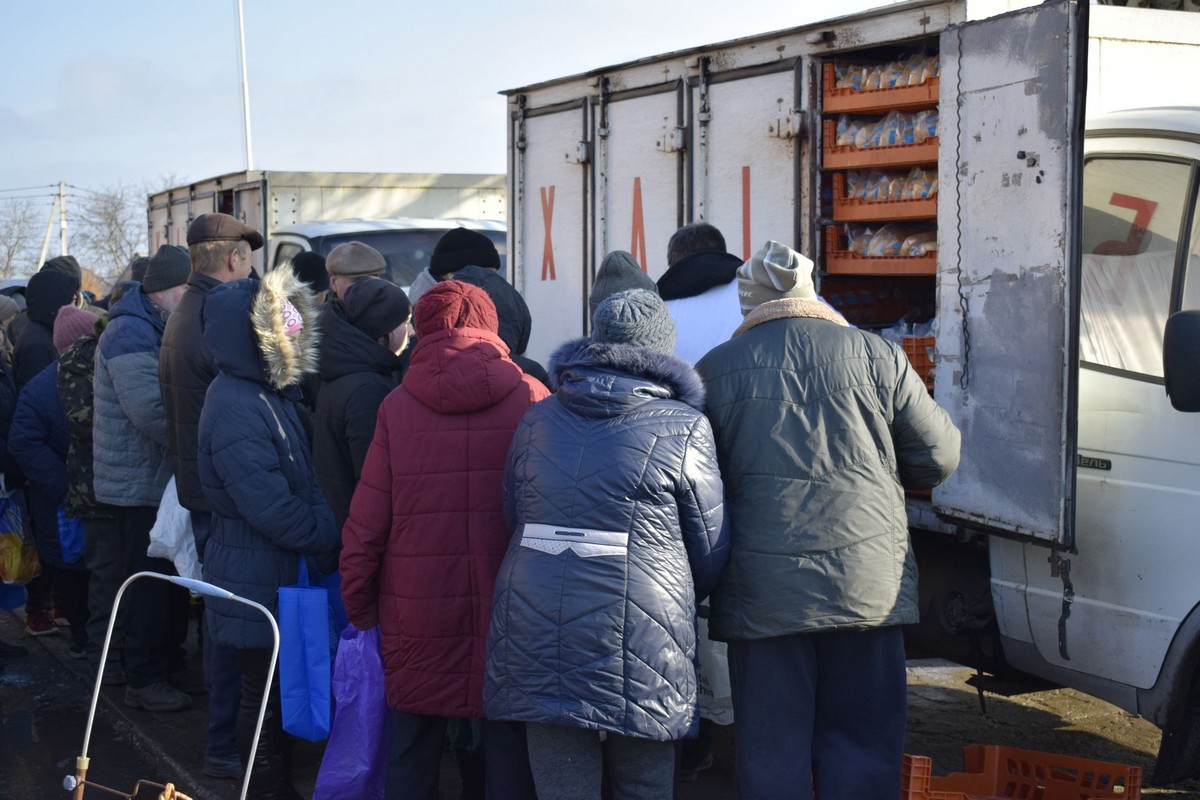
[(11, 596), (304, 680), (355, 761), (70, 537)]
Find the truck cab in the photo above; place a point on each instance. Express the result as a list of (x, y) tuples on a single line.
[(1128, 582)]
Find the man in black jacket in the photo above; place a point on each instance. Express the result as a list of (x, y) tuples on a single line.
[(52, 287), (220, 248)]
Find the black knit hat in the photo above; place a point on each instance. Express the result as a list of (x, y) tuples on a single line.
[(168, 268), (376, 307), (310, 268), (137, 268), (67, 265), (49, 290), (460, 248)]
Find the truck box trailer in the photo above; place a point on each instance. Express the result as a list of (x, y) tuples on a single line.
[(930, 157), (269, 200)]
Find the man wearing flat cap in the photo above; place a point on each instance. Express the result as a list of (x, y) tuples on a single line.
[(220, 248), (820, 428), (131, 472), (350, 262)]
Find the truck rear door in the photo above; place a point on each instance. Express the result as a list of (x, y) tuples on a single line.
[(1010, 169), (638, 172), (744, 158), (550, 184)]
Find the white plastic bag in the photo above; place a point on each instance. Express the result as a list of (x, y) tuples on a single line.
[(171, 537), (712, 677)]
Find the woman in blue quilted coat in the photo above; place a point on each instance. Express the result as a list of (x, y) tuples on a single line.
[(615, 500)]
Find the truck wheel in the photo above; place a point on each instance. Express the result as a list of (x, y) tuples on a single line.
[(1179, 752)]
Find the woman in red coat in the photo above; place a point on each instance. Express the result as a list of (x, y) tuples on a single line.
[(426, 535)]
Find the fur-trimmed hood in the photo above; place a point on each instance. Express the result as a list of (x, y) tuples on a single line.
[(790, 307), (245, 326), (588, 373)]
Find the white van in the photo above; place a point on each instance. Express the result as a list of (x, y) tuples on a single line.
[(406, 243)]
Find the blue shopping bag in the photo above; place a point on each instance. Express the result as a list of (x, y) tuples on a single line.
[(304, 679), (332, 584)]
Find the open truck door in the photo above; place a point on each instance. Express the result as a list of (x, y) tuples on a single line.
[(1009, 220)]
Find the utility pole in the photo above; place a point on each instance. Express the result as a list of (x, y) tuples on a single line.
[(245, 88), (49, 227), (62, 218)]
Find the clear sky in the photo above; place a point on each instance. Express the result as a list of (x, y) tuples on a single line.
[(101, 92)]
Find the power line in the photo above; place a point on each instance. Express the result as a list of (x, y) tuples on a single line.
[(81, 189), (31, 188), (31, 197)]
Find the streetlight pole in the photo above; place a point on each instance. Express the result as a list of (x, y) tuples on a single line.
[(245, 88)]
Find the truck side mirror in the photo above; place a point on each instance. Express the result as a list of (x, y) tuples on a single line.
[(1181, 360)]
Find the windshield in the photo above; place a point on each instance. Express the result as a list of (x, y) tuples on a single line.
[(406, 252)]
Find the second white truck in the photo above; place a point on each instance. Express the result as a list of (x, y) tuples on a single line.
[(274, 201)]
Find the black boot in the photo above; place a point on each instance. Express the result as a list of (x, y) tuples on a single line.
[(270, 768), (470, 770)]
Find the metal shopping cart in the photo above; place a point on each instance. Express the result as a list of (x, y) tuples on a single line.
[(78, 782)]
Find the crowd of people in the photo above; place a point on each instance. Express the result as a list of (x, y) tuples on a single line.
[(535, 544)]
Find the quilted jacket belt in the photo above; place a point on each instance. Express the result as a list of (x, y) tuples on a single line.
[(584, 542)]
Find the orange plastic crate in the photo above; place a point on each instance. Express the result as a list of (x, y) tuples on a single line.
[(840, 261), (847, 209), (901, 98), (837, 156), (919, 352), (993, 772)]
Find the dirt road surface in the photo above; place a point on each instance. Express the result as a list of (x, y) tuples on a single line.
[(944, 714)]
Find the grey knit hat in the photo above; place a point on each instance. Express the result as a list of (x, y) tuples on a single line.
[(168, 268), (774, 272), (638, 317), (618, 271), (8, 308)]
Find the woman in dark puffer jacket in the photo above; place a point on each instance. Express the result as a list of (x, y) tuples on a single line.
[(613, 491), (268, 512)]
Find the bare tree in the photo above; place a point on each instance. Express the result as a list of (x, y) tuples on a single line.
[(19, 225), (108, 229)]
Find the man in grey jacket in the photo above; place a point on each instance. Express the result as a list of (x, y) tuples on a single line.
[(132, 468), (820, 428)]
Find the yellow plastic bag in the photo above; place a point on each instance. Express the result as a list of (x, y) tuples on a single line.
[(18, 555)]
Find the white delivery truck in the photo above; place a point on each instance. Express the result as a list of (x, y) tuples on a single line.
[(930, 157), (370, 202)]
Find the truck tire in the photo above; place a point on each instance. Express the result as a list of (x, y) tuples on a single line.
[(1179, 752)]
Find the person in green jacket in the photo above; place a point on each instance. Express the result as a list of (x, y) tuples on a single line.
[(820, 428)]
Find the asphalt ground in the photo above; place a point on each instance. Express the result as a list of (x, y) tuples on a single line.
[(45, 699), (45, 696)]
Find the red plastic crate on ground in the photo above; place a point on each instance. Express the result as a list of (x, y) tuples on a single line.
[(1006, 773)]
